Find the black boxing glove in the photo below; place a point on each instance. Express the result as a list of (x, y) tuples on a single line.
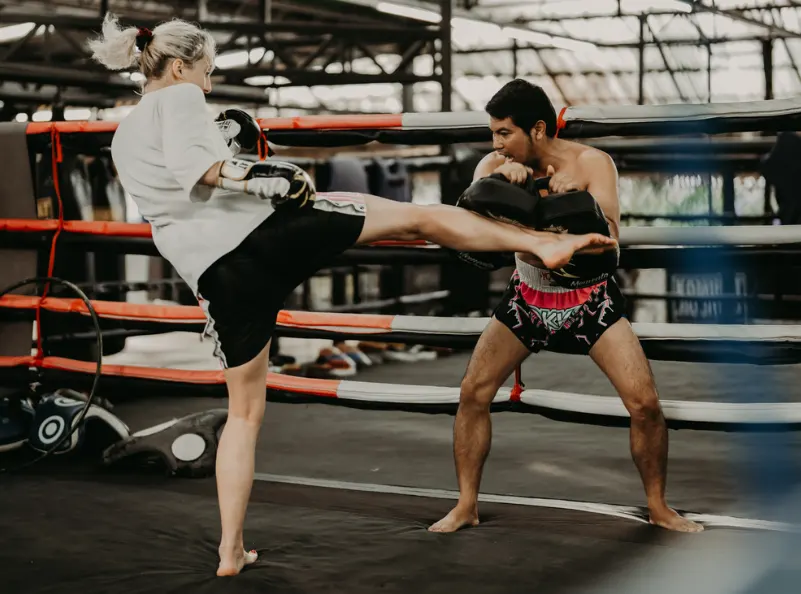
[(577, 212), (284, 184), (240, 131), (496, 198)]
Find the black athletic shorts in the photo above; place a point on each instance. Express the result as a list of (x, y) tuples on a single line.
[(242, 292), (563, 322)]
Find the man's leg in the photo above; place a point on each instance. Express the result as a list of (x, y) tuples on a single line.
[(619, 355), (247, 394), (459, 229), (495, 357)]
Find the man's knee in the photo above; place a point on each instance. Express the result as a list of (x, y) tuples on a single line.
[(477, 392), (643, 405)]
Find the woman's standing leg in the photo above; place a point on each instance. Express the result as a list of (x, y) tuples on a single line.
[(247, 394)]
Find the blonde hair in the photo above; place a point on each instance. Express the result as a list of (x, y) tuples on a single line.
[(116, 48)]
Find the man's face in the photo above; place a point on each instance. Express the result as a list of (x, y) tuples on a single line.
[(511, 141)]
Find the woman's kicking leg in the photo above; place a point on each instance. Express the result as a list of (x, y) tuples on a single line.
[(460, 229)]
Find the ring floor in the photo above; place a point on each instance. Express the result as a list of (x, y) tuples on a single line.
[(67, 529)]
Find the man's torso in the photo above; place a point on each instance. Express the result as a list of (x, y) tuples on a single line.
[(544, 315)]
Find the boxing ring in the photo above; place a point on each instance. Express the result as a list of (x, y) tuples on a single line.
[(350, 473)]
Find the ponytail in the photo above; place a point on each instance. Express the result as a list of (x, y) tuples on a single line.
[(116, 48), (151, 51)]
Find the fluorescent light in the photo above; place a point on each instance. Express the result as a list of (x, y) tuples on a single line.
[(266, 80), (476, 28), (13, 32), (43, 116), (409, 12), (528, 36), (21, 117), (648, 5), (242, 57), (573, 45)]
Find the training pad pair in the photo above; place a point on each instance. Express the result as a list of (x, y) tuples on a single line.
[(186, 446), (575, 212)]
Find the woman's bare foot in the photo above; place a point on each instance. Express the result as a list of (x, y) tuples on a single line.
[(670, 520), (232, 562), (557, 253), (458, 518)]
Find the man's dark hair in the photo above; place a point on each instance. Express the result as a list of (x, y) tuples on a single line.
[(526, 104)]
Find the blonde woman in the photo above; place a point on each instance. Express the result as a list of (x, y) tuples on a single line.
[(244, 235)]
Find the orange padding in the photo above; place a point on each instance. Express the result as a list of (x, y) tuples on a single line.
[(320, 122), (560, 120), (70, 127), (118, 229), (114, 229), (190, 313), (275, 381)]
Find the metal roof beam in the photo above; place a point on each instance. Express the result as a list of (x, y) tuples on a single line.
[(372, 33), (739, 15), (662, 53), (636, 44)]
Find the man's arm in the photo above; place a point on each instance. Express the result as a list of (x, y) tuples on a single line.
[(603, 185)]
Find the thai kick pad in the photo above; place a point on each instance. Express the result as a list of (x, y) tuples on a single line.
[(183, 447), (496, 198), (578, 213)]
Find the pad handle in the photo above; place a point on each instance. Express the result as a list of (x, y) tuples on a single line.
[(541, 183), (535, 185)]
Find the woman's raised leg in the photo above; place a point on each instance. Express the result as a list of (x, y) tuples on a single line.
[(460, 229)]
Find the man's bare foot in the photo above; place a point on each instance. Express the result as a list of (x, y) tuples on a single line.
[(557, 253), (670, 520), (458, 518), (231, 563)]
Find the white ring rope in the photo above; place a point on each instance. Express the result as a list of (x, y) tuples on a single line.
[(644, 330), (606, 407), (711, 236)]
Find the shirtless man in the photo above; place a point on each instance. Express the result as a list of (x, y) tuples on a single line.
[(535, 313)]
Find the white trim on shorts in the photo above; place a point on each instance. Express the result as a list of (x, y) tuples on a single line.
[(210, 332), (347, 203), (537, 278)]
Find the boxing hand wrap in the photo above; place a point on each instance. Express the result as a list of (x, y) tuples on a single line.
[(284, 184), (577, 212), (496, 198), (240, 131)]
